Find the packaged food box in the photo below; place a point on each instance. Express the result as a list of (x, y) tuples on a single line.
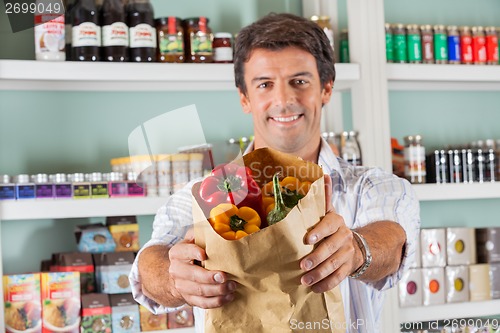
[(125, 232), (433, 285), (479, 277), (495, 280), (77, 262), (124, 313), (151, 321), (460, 246), (410, 288), (60, 302), (96, 313), (112, 271), (457, 284), (433, 247), (22, 303), (488, 245), (182, 317), (94, 238)]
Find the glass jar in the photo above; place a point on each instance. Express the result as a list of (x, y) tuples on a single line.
[(170, 39), (478, 46), (466, 45), (491, 46), (349, 148), (427, 44), (198, 39), (223, 50), (389, 43), (440, 44), (414, 155), (324, 23), (400, 48)]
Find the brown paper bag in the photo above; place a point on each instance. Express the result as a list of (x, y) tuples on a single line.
[(270, 297)]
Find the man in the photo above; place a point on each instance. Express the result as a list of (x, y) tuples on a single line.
[(284, 71)]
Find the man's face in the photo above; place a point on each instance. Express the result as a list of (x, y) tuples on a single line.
[(285, 97)]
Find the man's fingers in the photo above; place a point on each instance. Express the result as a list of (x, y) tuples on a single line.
[(186, 287), (326, 227), (209, 302), (186, 252), (185, 271), (328, 194)]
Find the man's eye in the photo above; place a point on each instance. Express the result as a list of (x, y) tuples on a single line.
[(263, 85), (300, 82)]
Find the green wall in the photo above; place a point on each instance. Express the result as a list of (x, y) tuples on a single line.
[(52, 132)]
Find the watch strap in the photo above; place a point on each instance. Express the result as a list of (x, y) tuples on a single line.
[(365, 250)]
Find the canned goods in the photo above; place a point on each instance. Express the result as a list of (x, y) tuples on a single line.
[(389, 43), (453, 45), (478, 46), (466, 45), (440, 45), (414, 155), (427, 44), (491, 46), (414, 42), (400, 48)]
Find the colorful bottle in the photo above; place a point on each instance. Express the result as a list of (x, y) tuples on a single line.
[(49, 33)]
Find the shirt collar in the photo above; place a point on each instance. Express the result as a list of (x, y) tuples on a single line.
[(327, 160)]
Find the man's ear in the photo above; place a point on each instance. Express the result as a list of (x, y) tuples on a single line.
[(326, 93), (245, 103)]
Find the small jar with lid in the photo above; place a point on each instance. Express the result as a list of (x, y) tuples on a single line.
[(466, 45), (98, 186), (81, 187), (7, 188), (62, 186), (400, 45), (170, 39), (43, 188), (25, 189), (324, 23), (389, 43), (222, 47), (440, 44), (198, 39), (117, 186), (414, 42), (414, 156), (478, 46), (427, 44), (135, 187), (491, 46), (453, 45)]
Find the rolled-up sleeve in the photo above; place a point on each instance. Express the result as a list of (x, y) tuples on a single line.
[(385, 197), (170, 225)]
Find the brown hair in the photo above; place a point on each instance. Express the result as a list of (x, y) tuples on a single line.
[(278, 31)]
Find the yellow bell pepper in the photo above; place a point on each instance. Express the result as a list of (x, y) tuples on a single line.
[(232, 222)]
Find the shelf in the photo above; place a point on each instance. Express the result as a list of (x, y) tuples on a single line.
[(450, 311), (443, 77), (431, 192), (82, 208), (177, 330), (101, 76)]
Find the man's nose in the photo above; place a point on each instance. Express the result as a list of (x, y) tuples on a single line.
[(284, 95)]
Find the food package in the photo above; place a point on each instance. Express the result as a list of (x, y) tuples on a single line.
[(61, 302), (96, 313), (125, 232), (124, 313), (152, 322), (112, 270), (94, 238), (76, 262), (265, 264), (22, 304)]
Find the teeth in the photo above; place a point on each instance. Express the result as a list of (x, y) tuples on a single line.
[(286, 120)]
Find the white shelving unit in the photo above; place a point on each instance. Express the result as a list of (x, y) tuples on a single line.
[(83, 76), (433, 192), (450, 311)]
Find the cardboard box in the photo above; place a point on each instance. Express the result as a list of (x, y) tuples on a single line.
[(96, 313), (77, 262), (479, 277), (125, 232), (61, 302), (183, 317), (433, 247), (488, 245), (124, 313), (495, 280), (434, 286), (22, 303), (410, 288), (94, 238), (112, 271), (151, 321), (460, 246), (457, 284)]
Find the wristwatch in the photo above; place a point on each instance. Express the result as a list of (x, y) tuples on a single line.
[(365, 250)]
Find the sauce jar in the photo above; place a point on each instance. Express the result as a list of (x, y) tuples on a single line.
[(427, 44), (414, 156), (466, 45), (491, 46), (440, 44), (478, 46), (170, 39), (223, 50), (400, 48), (198, 40)]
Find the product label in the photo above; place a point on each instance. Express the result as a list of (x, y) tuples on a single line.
[(99, 190), (81, 191), (135, 189), (428, 47), (201, 44), (63, 191), (492, 48), (400, 48), (115, 34), (143, 35), (440, 47), (453, 48), (171, 44), (7, 192), (389, 46), (118, 189), (86, 34), (222, 54), (44, 191), (49, 36), (479, 49), (344, 51), (414, 48), (25, 191)]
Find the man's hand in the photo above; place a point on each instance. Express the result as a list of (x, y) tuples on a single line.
[(197, 285), (335, 255)]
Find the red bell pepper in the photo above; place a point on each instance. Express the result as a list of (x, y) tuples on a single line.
[(231, 183)]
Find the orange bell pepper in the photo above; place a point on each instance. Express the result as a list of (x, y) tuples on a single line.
[(232, 222), (292, 190)]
